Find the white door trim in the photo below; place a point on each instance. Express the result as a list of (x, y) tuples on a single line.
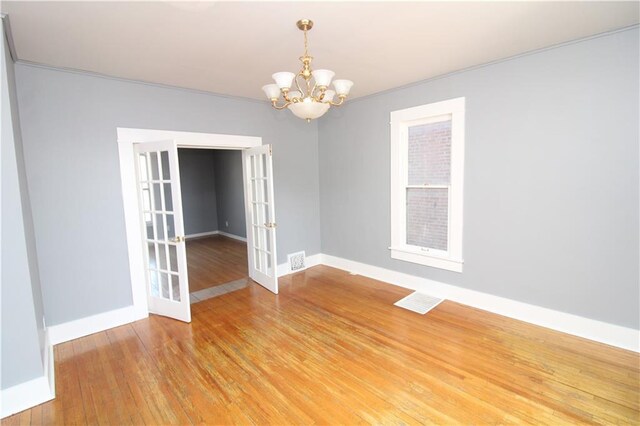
[(127, 137), (189, 139)]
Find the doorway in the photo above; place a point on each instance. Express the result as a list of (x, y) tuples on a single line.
[(157, 259), (213, 205)]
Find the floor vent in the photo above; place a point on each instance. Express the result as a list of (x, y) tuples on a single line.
[(418, 302), (296, 261)]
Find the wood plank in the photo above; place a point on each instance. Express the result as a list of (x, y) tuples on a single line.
[(215, 260), (332, 349)]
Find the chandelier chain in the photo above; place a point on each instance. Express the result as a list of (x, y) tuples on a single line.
[(306, 44)]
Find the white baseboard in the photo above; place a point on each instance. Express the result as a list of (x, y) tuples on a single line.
[(209, 233), (235, 237), (33, 392), (25, 395), (610, 334), (93, 324), (310, 261), (200, 235)]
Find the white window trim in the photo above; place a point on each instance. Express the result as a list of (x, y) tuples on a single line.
[(400, 121)]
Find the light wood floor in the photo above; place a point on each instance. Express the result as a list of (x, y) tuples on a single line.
[(215, 260), (332, 349)]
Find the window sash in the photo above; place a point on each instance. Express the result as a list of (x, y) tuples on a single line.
[(425, 250)]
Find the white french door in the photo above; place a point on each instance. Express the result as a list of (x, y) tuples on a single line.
[(260, 214), (158, 180)]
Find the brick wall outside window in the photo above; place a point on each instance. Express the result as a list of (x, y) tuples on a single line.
[(429, 163)]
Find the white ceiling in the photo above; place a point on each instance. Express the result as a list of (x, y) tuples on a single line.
[(233, 47)]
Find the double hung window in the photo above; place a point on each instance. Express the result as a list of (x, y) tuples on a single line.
[(427, 162)]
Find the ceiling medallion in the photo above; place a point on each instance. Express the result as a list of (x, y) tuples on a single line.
[(313, 98)]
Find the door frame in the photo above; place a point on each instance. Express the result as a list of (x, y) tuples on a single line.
[(127, 138)]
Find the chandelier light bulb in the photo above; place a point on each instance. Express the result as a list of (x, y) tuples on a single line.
[(283, 79), (328, 95), (323, 77), (342, 87), (272, 91), (312, 97)]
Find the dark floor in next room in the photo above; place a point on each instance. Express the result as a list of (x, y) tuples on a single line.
[(214, 261)]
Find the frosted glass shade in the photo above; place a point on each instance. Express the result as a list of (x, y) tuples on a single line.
[(342, 86), (323, 77), (283, 79), (309, 110), (271, 90), (328, 96), (294, 94)]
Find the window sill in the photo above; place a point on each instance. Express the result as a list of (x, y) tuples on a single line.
[(425, 259)]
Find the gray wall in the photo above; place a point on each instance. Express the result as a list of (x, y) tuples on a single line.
[(198, 188), (69, 123), (230, 192), (22, 308), (212, 191), (551, 178)]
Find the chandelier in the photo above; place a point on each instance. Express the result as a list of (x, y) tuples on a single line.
[(311, 100)]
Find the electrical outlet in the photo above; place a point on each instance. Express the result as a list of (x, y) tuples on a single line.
[(226, 223)]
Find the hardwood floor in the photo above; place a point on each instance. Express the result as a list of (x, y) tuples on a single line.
[(215, 260), (332, 349)]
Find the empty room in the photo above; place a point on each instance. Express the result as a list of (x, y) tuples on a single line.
[(230, 212)]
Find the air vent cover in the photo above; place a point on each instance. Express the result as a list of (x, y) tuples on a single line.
[(419, 302), (296, 261)]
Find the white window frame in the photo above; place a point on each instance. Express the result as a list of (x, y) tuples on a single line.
[(401, 120)]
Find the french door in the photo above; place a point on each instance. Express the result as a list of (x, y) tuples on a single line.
[(260, 214), (158, 179)]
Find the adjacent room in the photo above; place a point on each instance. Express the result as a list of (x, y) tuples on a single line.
[(233, 212), (214, 221)]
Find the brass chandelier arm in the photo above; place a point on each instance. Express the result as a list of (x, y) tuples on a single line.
[(274, 102), (340, 102), (320, 95), (302, 92), (285, 95)]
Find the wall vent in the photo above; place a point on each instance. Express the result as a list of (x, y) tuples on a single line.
[(296, 261)]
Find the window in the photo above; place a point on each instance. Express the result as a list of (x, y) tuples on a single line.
[(427, 161)]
